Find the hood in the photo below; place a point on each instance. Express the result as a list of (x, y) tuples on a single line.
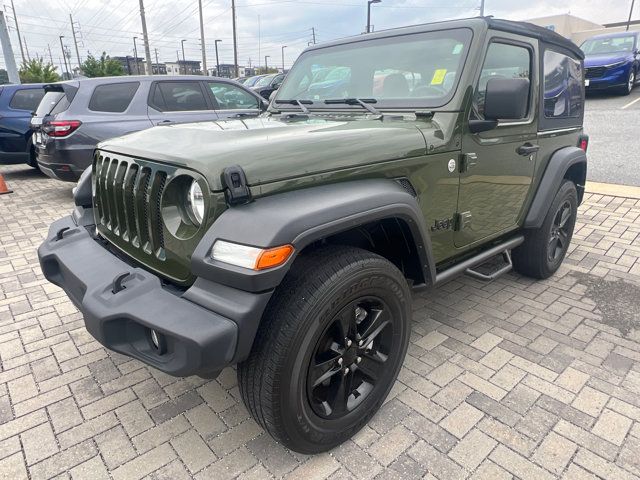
[(269, 148), (603, 60)]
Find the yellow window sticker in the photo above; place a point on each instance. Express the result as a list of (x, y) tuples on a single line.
[(438, 76)]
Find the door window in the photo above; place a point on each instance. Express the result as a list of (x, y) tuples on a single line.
[(27, 99), (179, 97), (113, 98), (231, 97), (502, 61)]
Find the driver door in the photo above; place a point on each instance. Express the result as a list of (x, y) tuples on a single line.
[(496, 175)]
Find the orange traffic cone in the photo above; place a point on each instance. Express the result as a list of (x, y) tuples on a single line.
[(3, 186)]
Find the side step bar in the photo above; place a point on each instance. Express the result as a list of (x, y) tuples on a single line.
[(467, 265)]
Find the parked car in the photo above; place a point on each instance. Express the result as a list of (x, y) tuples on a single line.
[(251, 81), (74, 116), (612, 61), (17, 103), (289, 244), (268, 84)]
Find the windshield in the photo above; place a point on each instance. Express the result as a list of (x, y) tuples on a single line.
[(603, 46), (417, 70), (264, 81)]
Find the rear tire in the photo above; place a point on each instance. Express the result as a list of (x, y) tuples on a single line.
[(544, 248), (33, 160), (329, 348)]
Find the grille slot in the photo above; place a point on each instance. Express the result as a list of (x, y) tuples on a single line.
[(595, 72), (128, 201), (406, 184)]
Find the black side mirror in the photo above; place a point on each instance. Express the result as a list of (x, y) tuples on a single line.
[(506, 99)]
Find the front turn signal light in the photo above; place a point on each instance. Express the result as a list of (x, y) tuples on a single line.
[(250, 257), (274, 257)]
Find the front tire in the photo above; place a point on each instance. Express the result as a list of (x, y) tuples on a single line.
[(329, 348), (631, 81), (544, 248)]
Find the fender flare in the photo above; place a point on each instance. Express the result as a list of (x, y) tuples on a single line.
[(559, 164), (303, 216)]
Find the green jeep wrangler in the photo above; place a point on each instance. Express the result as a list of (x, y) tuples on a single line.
[(288, 242)]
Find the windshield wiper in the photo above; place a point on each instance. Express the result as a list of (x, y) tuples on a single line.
[(363, 102), (299, 103)]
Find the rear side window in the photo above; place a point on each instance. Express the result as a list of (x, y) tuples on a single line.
[(113, 98), (563, 79), (178, 97), (28, 99)]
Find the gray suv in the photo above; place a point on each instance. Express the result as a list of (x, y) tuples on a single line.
[(74, 116)]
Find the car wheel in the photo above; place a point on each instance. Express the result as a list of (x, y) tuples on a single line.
[(544, 248), (33, 160), (631, 81), (328, 349)]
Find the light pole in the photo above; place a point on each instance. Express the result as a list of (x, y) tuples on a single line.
[(184, 63), (630, 14), (64, 57), (135, 55), (369, 2), (482, 8), (283, 47), (217, 59), (266, 66)]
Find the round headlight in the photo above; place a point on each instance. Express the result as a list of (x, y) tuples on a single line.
[(196, 203)]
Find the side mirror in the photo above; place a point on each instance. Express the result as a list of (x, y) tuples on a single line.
[(506, 99)]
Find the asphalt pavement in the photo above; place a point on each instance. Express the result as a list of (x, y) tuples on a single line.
[(613, 124)]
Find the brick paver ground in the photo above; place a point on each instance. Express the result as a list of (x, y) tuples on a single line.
[(514, 378)]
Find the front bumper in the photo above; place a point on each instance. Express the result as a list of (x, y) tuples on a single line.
[(196, 340), (613, 78)]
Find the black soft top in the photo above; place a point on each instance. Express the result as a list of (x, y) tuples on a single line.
[(535, 31)]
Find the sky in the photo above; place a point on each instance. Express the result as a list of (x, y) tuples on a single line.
[(263, 26)]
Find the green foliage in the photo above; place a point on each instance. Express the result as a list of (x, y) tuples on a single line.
[(104, 66), (36, 71), (4, 76)]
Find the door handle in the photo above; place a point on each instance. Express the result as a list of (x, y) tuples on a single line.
[(527, 149), (165, 122)]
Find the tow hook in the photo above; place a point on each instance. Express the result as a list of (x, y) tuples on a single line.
[(60, 234), (117, 283)]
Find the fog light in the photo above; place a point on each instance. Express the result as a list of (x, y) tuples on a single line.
[(157, 340)]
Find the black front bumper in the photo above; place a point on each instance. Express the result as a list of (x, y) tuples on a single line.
[(197, 341)]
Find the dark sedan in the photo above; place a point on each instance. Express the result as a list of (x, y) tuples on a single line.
[(612, 62), (17, 103)]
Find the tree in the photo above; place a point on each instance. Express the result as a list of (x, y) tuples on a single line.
[(4, 76), (105, 66), (36, 71)]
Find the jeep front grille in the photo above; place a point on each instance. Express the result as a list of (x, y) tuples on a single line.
[(127, 199)]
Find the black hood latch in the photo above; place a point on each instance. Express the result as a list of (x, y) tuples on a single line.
[(237, 191)]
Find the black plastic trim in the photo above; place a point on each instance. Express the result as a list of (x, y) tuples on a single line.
[(303, 216), (559, 164)]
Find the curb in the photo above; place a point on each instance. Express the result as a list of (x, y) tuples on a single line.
[(613, 190)]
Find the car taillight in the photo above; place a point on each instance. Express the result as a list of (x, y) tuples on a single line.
[(61, 128), (583, 143)]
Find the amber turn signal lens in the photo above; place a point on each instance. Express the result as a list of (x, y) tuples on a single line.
[(273, 257)]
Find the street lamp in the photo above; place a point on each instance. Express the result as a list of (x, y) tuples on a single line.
[(283, 47), (217, 59), (266, 66), (64, 58), (369, 2), (184, 62), (135, 55)]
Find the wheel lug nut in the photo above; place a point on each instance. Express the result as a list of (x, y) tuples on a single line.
[(358, 360), (349, 342), (361, 343), (346, 370), (340, 360)]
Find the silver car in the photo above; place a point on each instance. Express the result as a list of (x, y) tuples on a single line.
[(74, 116)]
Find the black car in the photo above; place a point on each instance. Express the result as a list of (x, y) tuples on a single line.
[(268, 84)]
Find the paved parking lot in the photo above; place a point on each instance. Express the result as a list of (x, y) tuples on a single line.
[(534, 380), (613, 122)]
